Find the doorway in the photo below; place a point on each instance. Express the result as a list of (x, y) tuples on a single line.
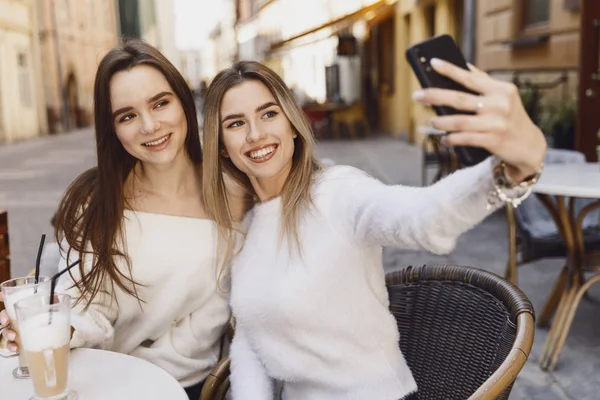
[(588, 123)]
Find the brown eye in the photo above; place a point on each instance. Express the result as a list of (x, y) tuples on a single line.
[(127, 117)]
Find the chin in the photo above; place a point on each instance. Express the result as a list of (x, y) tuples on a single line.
[(268, 174), (162, 159)]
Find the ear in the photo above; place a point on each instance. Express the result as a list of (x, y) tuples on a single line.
[(224, 153)]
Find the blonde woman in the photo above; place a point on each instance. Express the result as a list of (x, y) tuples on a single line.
[(308, 286)]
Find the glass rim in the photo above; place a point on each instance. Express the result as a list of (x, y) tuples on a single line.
[(41, 279), (33, 301)]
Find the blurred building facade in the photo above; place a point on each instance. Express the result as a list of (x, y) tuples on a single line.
[(538, 45), (222, 48), (152, 21), (353, 51), (349, 51), (74, 36), (22, 105)]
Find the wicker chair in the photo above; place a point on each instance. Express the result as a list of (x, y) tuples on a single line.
[(217, 383), (465, 333)]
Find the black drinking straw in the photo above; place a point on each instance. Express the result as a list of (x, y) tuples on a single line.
[(53, 285), (55, 278), (39, 258)]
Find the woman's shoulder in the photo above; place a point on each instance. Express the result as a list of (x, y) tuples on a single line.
[(337, 182), (340, 174)]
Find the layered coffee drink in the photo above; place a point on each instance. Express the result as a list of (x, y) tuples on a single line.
[(13, 291), (46, 347), (45, 328)]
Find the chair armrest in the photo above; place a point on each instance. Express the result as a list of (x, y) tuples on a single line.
[(217, 382), (514, 362)]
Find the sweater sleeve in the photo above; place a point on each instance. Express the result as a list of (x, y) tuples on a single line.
[(249, 379), (186, 346), (430, 218), (94, 326)]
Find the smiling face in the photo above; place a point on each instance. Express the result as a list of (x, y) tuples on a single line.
[(148, 117), (257, 136)]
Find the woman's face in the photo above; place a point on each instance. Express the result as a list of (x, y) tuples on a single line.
[(148, 117), (257, 135)]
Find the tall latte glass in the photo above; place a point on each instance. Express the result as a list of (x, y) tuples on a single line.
[(45, 334), (14, 290)]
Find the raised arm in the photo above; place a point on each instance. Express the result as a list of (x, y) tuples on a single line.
[(431, 218)]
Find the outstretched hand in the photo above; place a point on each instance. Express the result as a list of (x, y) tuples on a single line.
[(500, 123)]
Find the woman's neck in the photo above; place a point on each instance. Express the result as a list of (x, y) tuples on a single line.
[(176, 179), (269, 188)]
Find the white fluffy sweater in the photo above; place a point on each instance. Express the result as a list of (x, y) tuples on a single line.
[(179, 326), (320, 323)]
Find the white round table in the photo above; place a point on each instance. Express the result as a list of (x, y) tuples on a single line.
[(101, 375), (558, 183), (570, 180)]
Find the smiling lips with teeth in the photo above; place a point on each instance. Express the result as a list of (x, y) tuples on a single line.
[(262, 153), (157, 141)]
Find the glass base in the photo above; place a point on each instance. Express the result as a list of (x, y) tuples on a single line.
[(21, 373), (71, 395)]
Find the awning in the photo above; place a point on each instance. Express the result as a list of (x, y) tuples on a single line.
[(382, 8)]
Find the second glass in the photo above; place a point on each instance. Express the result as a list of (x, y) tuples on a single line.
[(14, 290)]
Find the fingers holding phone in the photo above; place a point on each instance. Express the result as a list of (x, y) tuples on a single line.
[(454, 92), (482, 115), (495, 120)]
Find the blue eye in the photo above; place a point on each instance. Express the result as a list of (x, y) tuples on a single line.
[(236, 124), (270, 114)]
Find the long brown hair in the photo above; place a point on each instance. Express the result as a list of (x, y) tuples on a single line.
[(296, 190), (90, 215)]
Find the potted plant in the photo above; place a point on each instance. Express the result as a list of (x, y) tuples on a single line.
[(558, 121), (530, 96)]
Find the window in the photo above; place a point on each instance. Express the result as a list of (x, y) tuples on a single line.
[(459, 24), (24, 82), (130, 18), (332, 82), (386, 54), (430, 18), (536, 12)]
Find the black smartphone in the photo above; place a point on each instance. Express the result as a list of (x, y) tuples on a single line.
[(445, 48)]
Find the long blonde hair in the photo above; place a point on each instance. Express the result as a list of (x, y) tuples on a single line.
[(296, 190)]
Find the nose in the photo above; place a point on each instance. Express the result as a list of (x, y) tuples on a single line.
[(254, 133), (149, 124)]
